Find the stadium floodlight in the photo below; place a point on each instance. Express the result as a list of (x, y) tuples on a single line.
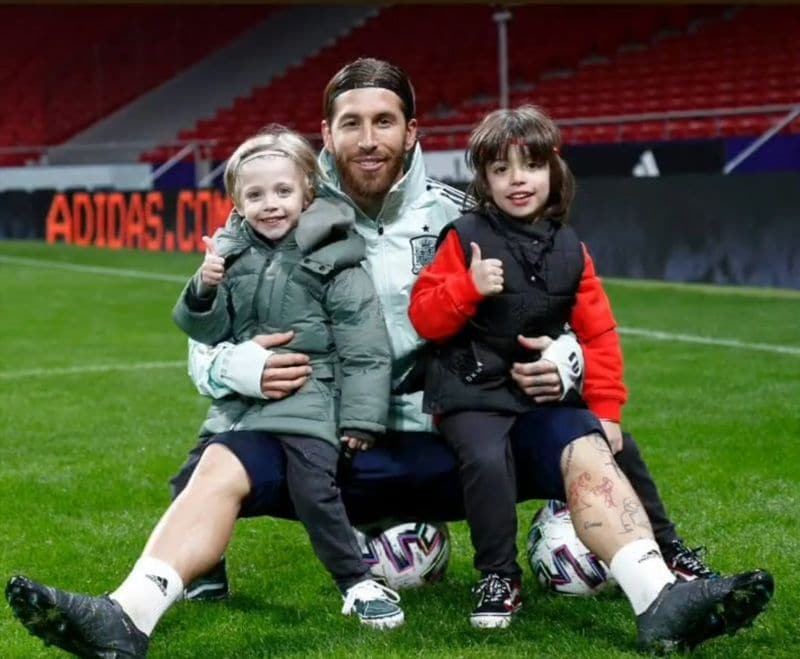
[(501, 18)]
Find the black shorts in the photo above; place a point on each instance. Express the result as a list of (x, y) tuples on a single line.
[(408, 475)]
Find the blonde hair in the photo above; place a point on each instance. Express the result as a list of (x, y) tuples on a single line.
[(273, 141), (537, 134)]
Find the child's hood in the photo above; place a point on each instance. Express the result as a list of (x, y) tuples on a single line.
[(326, 233)]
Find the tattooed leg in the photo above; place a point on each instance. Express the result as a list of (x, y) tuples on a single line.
[(605, 510)]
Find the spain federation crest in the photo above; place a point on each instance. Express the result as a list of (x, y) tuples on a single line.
[(423, 248)]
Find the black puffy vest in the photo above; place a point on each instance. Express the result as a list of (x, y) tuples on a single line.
[(542, 267)]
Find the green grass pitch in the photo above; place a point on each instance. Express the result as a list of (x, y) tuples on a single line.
[(98, 412)]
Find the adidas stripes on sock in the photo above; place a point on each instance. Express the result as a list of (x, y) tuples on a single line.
[(641, 573), (148, 592)]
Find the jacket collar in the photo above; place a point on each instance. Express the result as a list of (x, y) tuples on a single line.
[(324, 236), (248, 236), (542, 229), (321, 222)]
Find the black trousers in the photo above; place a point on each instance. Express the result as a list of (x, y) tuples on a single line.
[(482, 446), (309, 468), (490, 475), (311, 476), (632, 464)]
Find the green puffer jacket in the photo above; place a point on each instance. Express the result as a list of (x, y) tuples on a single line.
[(311, 282)]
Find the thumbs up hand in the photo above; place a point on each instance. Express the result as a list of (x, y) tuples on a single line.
[(486, 273), (213, 268)]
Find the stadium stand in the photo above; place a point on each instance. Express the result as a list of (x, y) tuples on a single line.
[(723, 64), (609, 74), (63, 68), (591, 65)]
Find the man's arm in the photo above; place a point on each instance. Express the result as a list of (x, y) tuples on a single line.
[(557, 371), (249, 368), (227, 368)]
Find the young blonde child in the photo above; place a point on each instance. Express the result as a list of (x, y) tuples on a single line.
[(286, 263), (512, 268)]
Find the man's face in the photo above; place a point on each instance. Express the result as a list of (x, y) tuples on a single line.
[(369, 137)]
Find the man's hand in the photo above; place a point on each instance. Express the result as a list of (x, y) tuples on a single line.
[(283, 373), (538, 379), (613, 434), (486, 273), (213, 269)]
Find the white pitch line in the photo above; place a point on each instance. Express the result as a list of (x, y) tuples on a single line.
[(760, 292), (630, 283), (96, 368), (93, 269), (710, 341), (139, 274)]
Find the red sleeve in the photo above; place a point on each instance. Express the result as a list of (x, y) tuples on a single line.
[(444, 296), (594, 324)]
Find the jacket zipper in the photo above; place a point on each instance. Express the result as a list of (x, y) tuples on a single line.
[(259, 286)]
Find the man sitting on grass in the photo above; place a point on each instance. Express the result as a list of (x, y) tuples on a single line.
[(376, 166)]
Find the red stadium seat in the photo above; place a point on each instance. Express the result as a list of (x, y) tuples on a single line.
[(721, 63), (76, 64)]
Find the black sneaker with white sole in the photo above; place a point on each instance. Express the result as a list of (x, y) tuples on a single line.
[(687, 564), (211, 587), (687, 613), (83, 625), (497, 599)]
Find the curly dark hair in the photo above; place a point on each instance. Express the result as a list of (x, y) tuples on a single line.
[(537, 134)]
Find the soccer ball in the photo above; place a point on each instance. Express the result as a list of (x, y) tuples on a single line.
[(407, 555), (560, 561)]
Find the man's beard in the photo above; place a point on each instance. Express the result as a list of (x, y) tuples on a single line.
[(366, 186)]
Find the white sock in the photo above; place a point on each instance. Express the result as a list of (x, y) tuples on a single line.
[(641, 573), (150, 589)]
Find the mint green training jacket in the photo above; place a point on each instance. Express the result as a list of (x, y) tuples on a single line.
[(400, 241)]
